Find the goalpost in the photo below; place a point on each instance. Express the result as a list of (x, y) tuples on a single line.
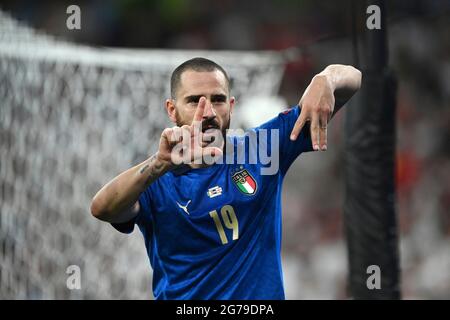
[(71, 118)]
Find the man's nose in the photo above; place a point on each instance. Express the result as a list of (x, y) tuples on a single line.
[(209, 110)]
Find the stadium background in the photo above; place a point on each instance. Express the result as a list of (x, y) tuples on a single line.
[(50, 229)]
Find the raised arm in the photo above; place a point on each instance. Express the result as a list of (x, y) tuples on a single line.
[(328, 91)]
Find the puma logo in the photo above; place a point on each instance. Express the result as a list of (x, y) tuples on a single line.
[(184, 207)]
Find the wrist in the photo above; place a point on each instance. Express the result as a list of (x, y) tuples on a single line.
[(324, 79), (159, 162)]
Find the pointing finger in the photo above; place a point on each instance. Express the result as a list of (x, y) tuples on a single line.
[(198, 116), (301, 120)]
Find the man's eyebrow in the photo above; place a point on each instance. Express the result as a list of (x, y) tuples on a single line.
[(218, 96), (193, 98), (196, 98)]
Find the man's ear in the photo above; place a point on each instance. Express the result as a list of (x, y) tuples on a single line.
[(232, 102), (171, 110)]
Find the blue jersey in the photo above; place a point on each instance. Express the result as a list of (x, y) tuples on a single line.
[(215, 232)]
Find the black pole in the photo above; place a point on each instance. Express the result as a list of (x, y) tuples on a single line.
[(369, 209)]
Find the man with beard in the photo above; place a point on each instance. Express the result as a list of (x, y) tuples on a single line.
[(213, 230)]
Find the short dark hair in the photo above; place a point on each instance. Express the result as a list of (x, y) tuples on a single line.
[(196, 64)]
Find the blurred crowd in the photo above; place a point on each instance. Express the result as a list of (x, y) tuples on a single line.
[(420, 56), (314, 249)]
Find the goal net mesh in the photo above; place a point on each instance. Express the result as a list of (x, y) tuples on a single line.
[(71, 118)]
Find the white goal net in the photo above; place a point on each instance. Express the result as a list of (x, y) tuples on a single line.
[(71, 118)]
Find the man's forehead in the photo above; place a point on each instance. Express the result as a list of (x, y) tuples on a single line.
[(195, 82)]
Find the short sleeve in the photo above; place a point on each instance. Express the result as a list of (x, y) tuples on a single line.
[(289, 150), (140, 218)]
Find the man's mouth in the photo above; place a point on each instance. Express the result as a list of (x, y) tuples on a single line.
[(210, 131), (209, 128)]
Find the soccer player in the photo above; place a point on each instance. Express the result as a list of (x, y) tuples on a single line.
[(213, 230)]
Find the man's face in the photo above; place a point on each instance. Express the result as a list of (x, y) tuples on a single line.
[(209, 84)]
